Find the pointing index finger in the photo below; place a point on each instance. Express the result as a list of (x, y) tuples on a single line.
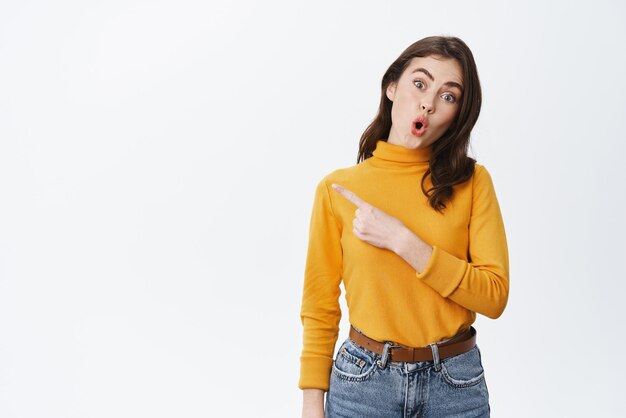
[(349, 195)]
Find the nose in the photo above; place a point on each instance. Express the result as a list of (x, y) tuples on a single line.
[(427, 107)]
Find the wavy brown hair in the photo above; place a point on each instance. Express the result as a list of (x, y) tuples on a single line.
[(449, 163)]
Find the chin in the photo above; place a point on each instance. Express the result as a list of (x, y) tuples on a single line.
[(419, 141)]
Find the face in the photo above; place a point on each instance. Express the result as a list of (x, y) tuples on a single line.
[(426, 100)]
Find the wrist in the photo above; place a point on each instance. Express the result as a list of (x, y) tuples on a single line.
[(311, 393), (405, 242)]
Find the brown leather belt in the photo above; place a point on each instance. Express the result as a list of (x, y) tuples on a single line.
[(458, 344)]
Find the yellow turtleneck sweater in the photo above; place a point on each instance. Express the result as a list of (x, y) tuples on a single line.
[(388, 300)]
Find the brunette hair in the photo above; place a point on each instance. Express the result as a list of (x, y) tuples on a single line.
[(449, 163)]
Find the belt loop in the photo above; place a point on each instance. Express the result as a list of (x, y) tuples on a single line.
[(435, 348), (384, 356)]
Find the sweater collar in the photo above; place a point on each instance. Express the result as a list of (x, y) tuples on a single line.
[(397, 153)]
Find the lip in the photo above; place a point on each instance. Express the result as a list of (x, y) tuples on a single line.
[(424, 122)]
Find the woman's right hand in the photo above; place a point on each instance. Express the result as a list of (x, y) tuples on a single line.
[(312, 403)]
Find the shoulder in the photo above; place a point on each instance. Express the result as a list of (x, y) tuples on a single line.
[(482, 182), (481, 174), (340, 175), (479, 168)]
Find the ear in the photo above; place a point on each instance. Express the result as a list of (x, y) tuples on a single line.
[(391, 91)]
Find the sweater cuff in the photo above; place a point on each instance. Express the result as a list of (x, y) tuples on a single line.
[(443, 272), (315, 373)]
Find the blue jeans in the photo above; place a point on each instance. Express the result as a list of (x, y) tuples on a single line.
[(366, 384)]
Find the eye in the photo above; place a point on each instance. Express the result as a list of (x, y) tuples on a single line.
[(416, 83), (450, 98)]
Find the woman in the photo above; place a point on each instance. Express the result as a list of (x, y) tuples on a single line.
[(415, 232)]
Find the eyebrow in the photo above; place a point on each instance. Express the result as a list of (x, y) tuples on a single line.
[(447, 83)]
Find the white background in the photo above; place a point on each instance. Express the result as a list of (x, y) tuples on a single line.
[(157, 168)]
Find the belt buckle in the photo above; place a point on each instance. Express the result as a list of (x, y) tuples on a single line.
[(392, 345)]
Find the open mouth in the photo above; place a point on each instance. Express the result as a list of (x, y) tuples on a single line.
[(419, 126)]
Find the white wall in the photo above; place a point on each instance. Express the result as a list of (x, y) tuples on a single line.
[(157, 168)]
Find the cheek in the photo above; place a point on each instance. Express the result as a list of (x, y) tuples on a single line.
[(449, 117), (404, 101), (401, 108), (444, 122)]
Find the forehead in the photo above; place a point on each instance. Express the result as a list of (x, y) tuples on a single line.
[(442, 69)]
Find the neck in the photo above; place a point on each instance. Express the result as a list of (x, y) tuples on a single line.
[(393, 153)]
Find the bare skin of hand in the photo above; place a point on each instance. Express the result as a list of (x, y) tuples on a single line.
[(313, 403), (382, 230)]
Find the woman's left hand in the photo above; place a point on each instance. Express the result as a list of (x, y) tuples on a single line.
[(372, 225)]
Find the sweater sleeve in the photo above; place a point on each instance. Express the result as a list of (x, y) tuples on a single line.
[(320, 311), (482, 284)]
